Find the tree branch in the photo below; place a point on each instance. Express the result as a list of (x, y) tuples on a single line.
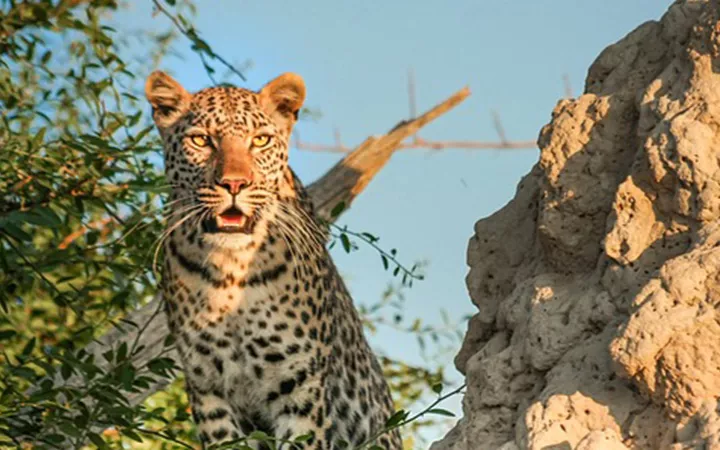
[(416, 142), (420, 143)]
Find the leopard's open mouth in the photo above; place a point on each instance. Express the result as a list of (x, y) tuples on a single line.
[(232, 220)]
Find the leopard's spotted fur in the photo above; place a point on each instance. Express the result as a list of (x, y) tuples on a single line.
[(267, 332)]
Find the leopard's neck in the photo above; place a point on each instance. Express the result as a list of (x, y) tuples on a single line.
[(289, 242)]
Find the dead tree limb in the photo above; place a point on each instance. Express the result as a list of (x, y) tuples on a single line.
[(416, 142), (349, 177), (146, 330)]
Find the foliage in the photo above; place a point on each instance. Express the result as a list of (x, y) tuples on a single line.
[(80, 212)]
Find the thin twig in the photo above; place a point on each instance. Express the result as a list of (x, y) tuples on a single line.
[(390, 256), (164, 436), (439, 400), (38, 272), (499, 129), (408, 420), (427, 145)]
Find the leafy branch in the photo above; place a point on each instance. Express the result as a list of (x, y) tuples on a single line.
[(199, 45), (402, 417), (262, 438), (345, 237)]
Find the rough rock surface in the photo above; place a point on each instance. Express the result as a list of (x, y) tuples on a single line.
[(598, 285)]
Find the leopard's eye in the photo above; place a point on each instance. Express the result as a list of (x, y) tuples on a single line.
[(261, 141), (200, 140)]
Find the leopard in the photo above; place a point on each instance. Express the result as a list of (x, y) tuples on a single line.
[(269, 339)]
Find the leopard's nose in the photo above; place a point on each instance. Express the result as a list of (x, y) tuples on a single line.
[(234, 185)]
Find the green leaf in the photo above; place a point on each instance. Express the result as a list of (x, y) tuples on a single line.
[(396, 418), (441, 412), (97, 440), (258, 436), (304, 438), (66, 371), (29, 347), (43, 217), (39, 138), (15, 232), (142, 133), (25, 372), (127, 375), (417, 323), (7, 334), (131, 434), (122, 352), (337, 209), (42, 396), (55, 438), (437, 388), (345, 242), (161, 365), (119, 300), (169, 340), (370, 237)]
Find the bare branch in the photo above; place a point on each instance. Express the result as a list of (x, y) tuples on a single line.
[(499, 129), (429, 145), (416, 142)]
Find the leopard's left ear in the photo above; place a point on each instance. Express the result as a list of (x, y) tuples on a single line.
[(168, 98), (282, 98)]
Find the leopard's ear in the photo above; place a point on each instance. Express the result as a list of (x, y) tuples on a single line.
[(168, 98), (282, 98)]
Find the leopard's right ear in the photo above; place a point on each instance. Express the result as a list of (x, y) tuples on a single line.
[(168, 98)]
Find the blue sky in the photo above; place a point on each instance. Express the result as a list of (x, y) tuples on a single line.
[(354, 57)]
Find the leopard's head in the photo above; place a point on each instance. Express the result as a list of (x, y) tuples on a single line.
[(226, 154)]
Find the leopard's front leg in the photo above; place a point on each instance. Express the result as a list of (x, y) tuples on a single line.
[(292, 427), (213, 416)]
